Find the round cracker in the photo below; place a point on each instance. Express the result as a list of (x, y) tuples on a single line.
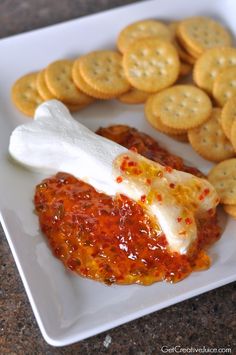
[(103, 71), (25, 95), (200, 33), (223, 178), (230, 209), (42, 87), (224, 86), (58, 76), (142, 29), (156, 122), (151, 64), (228, 116), (210, 64), (182, 107), (134, 96), (209, 140), (83, 86)]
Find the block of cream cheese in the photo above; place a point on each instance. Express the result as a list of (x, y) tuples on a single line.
[(54, 141)]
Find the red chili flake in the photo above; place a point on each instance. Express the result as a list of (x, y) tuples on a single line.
[(206, 192), (172, 186), (179, 219), (132, 163), (188, 221), (137, 171), (133, 149), (143, 198), (159, 197), (123, 166), (201, 197), (160, 174), (168, 169), (119, 179), (148, 181)]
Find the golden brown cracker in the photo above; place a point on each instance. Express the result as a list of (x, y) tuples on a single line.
[(210, 63), (209, 140), (200, 33), (42, 87), (155, 120), (224, 86), (182, 107), (83, 85), (142, 29), (151, 64), (223, 177), (58, 76), (103, 71), (25, 95)]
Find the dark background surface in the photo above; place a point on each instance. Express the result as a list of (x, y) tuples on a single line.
[(207, 320)]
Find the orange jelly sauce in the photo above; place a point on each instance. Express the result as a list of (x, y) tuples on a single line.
[(111, 239)]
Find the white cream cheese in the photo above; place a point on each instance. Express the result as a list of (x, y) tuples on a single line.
[(54, 142)]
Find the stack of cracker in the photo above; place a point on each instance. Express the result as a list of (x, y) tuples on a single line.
[(53, 82), (106, 74)]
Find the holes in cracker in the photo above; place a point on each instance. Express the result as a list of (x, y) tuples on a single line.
[(221, 61), (141, 27), (232, 61), (135, 73), (159, 52), (144, 52), (186, 94), (233, 83), (213, 74)]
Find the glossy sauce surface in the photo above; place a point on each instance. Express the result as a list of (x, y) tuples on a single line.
[(111, 239)]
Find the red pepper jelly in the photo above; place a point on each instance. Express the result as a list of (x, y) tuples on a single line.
[(112, 239)]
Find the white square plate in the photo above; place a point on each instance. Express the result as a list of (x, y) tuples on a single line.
[(67, 307)]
